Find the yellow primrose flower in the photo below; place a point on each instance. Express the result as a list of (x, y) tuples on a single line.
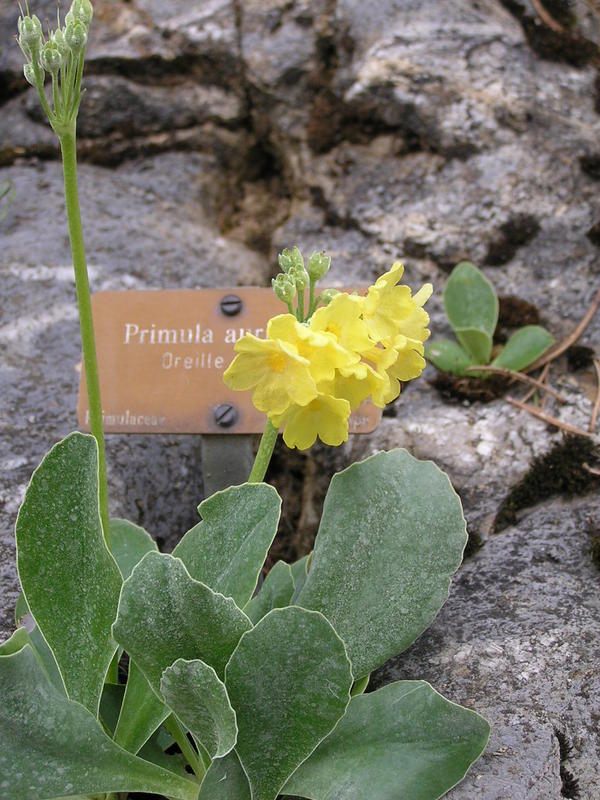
[(279, 375), (355, 383), (325, 417), (321, 350), (389, 307), (343, 318)]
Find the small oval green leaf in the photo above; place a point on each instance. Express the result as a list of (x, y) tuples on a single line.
[(524, 347), (448, 356), (470, 300)]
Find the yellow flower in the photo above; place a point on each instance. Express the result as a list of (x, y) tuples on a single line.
[(325, 417), (278, 374), (343, 318), (321, 350), (390, 309), (355, 383)]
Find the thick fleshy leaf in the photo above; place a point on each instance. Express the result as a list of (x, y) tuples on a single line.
[(391, 536), (478, 344), (402, 741), (38, 643), (227, 550), (53, 747), (164, 614), (276, 592), (523, 347), (141, 712), (225, 779), (300, 573), (470, 300), (448, 356), (289, 681), (129, 544), (70, 581), (199, 699)]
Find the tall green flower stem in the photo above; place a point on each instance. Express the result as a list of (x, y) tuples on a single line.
[(265, 451), (69, 160)]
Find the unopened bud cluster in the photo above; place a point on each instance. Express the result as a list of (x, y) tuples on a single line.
[(59, 55), (295, 278)]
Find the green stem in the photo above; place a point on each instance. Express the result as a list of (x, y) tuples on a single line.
[(301, 305), (265, 451), (186, 748), (69, 159), (311, 298)]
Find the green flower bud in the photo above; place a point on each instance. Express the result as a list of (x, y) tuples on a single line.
[(284, 288), (29, 73), (76, 36), (81, 10), (285, 260), (58, 39), (299, 276), (51, 58), (30, 34), (318, 265), (327, 296)]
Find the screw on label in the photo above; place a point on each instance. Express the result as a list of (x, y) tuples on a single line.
[(231, 305), (226, 415)]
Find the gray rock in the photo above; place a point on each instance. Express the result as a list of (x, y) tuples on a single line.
[(518, 640), (215, 134)]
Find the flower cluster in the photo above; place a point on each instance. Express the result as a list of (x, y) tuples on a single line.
[(308, 376), (61, 56)]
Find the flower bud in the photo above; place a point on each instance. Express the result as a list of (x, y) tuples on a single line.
[(318, 265), (81, 10), (30, 34), (285, 260), (58, 39), (327, 296), (50, 58), (284, 288), (299, 276), (29, 73), (76, 36)]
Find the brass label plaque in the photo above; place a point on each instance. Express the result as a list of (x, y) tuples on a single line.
[(161, 358)]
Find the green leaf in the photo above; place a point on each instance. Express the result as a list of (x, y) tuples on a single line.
[(53, 747), (402, 741), (289, 681), (470, 300), (199, 699), (478, 344), (15, 642), (110, 705), (164, 614), (523, 347), (141, 712), (300, 573), (360, 685), (448, 356), (43, 653), (225, 779), (227, 550), (391, 535), (129, 544), (276, 592), (70, 581)]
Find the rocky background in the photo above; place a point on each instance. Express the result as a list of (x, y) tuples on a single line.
[(212, 135)]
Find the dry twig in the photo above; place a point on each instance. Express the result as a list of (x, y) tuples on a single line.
[(570, 339), (596, 408), (546, 18), (519, 376), (542, 379), (591, 470), (547, 418)]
